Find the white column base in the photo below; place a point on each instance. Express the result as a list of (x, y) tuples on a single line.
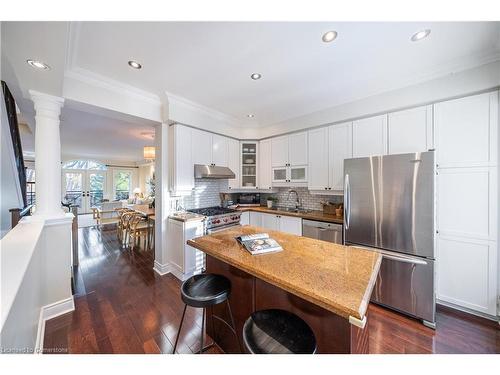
[(162, 269)]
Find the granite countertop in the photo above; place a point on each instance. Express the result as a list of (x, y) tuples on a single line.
[(311, 215), (338, 278), (186, 216)]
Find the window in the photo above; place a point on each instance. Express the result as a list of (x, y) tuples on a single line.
[(84, 164), (30, 186), (122, 184)]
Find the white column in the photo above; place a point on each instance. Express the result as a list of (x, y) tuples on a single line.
[(162, 194), (47, 154)]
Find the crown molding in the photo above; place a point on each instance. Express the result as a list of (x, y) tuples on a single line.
[(175, 100), (98, 80)]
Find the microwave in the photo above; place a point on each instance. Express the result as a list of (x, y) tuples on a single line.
[(249, 199)]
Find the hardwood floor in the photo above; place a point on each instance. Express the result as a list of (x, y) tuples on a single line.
[(123, 306)]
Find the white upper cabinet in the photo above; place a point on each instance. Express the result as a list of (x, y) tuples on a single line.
[(340, 148), (289, 159), (209, 149), (181, 164), (297, 149), (466, 130), (201, 145), (279, 151), (410, 130), (219, 150), (234, 162), (369, 136), (318, 159), (264, 172)]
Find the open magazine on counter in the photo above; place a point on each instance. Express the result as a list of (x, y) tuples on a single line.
[(259, 243)]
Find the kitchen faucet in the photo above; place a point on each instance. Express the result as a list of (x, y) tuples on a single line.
[(297, 202)]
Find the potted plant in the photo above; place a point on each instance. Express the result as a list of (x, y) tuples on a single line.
[(270, 201)]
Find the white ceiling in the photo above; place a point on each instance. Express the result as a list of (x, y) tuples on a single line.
[(210, 62), (97, 136)]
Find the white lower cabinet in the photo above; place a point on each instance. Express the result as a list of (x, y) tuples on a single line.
[(184, 259), (287, 224), (466, 273), (245, 218), (270, 221), (256, 219)]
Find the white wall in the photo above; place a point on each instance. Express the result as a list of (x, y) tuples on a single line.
[(146, 172), (10, 193), (35, 280), (454, 85)]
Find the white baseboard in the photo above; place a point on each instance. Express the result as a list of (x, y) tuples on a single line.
[(181, 276), (162, 269), (48, 312), (469, 311)]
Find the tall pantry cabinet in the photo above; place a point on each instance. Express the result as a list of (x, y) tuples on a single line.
[(466, 138)]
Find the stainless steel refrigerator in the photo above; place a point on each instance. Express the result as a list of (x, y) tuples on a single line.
[(389, 207)]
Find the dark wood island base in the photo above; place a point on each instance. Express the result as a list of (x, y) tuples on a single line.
[(334, 334)]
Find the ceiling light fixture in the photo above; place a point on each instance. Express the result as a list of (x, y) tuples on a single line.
[(134, 64), (38, 64), (256, 76), (419, 35), (250, 115), (149, 152), (329, 36)]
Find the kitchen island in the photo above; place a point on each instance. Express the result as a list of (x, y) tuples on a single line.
[(327, 285)]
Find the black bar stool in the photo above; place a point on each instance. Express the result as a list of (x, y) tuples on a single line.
[(278, 332), (206, 290)]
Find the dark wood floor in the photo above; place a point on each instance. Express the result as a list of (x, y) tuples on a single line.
[(123, 306)]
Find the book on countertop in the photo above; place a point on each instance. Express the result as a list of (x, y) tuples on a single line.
[(259, 243)]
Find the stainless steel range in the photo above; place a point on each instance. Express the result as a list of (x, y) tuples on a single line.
[(218, 218)]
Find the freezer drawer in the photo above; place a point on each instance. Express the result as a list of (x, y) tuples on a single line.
[(406, 284)]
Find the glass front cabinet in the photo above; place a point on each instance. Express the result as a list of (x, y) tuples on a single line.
[(249, 165)]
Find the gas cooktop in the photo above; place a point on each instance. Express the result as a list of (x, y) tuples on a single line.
[(212, 211)]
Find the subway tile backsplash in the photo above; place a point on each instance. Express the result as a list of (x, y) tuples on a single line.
[(206, 194), (307, 200)]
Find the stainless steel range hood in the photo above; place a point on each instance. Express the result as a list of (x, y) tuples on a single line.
[(213, 172)]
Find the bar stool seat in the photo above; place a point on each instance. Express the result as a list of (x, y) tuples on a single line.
[(278, 332), (205, 290)]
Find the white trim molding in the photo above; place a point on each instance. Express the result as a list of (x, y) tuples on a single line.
[(49, 312), (162, 269)]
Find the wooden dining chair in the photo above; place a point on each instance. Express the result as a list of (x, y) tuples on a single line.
[(120, 225), (126, 221), (138, 229)]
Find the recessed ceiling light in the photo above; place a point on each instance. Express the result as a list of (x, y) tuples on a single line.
[(38, 64), (419, 35), (256, 76), (329, 36), (134, 64), (250, 115)]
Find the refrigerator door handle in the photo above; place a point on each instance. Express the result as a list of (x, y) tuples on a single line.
[(392, 256), (347, 193), (405, 260)]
